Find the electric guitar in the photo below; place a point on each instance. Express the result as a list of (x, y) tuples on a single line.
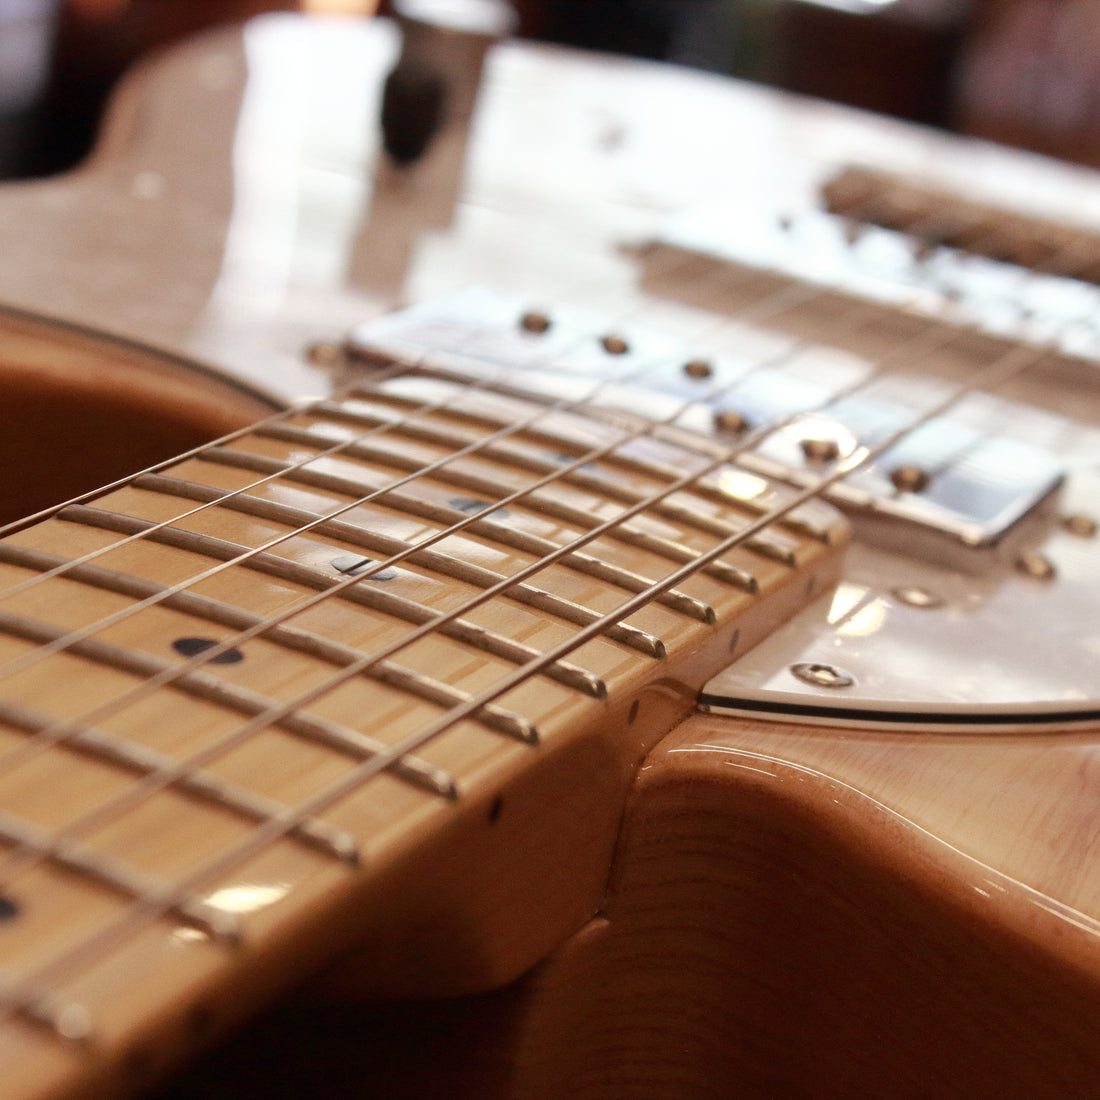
[(665, 649)]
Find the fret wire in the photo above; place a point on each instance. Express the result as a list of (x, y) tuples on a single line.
[(556, 508), (95, 946), (749, 441), (284, 569), (377, 373), (202, 685), (519, 540), (583, 480), (88, 863), (443, 564), (293, 638), (103, 746), (138, 913)]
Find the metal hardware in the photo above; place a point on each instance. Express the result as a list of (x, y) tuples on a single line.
[(822, 676), (818, 452), (534, 322), (914, 596), (1035, 565), (1084, 527), (730, 422), (698, 368), (909, 479)]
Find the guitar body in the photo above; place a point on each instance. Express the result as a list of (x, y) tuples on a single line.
[(814, 903)]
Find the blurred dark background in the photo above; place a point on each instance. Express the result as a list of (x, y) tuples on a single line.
[(1026, 72)]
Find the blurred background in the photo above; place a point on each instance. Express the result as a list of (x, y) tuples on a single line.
[(1025, 72)]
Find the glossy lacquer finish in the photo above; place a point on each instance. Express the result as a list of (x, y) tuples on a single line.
[(893, 896)]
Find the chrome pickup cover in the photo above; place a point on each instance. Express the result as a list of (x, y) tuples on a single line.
[(955, 489)]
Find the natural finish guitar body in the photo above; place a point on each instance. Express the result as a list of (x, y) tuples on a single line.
[(311, 709)]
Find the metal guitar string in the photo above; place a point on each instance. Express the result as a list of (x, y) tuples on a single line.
[(510, 428), (195, 452), (159, 779), (996, 373), (58, 732), (141, 909), (794, 294)]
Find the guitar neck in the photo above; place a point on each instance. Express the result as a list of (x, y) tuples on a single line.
[(340, 675)]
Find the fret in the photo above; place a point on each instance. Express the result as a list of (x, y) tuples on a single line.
[(627, 532), (388, 548), (611, 452), (495, 532), (215, 690), (512, 451), (300, 641), (82, 860), (770, 545), (478, 637), (140, 758)]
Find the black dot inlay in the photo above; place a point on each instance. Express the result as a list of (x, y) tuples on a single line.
[(351, 565), (471, 507), (192, 647), (8, 909)]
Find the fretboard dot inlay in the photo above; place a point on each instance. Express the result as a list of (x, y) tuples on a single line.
[(471, 507), (192, 647), (351, 565)]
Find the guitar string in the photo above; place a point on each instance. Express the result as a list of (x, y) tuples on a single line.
[(764, 521), (53, 734), (756, 311), (148, 686), (142, 910), (564, 404), (378, 374)]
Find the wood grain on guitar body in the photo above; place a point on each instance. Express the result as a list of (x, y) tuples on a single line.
[(528, 662)]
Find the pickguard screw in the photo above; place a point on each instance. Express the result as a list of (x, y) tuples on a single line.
[(534, 322), (915, 596), (822, 676), (614, 345), (1084, 527), (1035, 565), (730, 422), (909, 479), (698, 368)]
